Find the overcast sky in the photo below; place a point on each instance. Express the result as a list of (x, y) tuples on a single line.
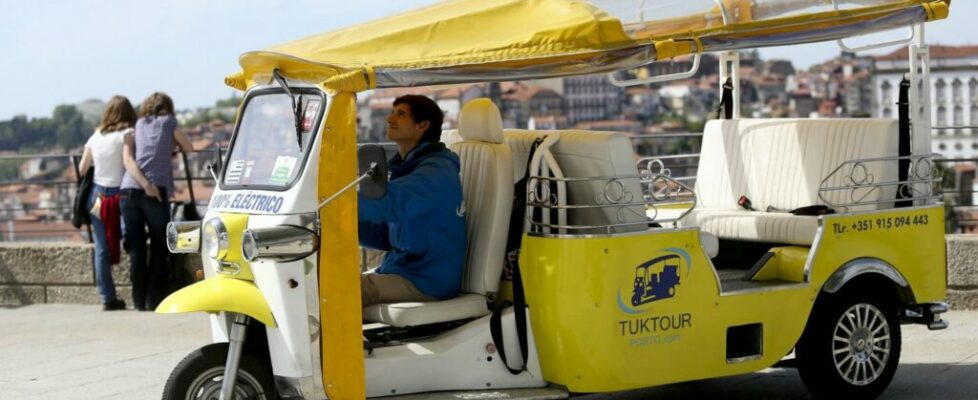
[(65, 51)]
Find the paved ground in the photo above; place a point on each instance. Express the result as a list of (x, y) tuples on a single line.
[(79, 352)]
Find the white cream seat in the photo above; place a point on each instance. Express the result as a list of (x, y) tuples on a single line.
[(589, 154), (468, 305), (781, 163), (487, 189)]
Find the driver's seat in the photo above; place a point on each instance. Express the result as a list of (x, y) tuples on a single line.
[(487, 189)]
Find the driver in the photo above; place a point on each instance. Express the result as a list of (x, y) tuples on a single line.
[(421, 220)]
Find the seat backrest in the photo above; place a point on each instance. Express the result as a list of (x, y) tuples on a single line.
[(519, 142), (588, 154), (487, 189), (782, 162), (450, 137)]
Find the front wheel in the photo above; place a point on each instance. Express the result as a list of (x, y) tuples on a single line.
[(851, 347), (200, 375)]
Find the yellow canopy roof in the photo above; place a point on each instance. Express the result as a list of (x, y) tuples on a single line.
[(482, 40), (496, 34)]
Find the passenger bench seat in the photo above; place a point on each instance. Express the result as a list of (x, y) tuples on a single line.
[(781, 163)]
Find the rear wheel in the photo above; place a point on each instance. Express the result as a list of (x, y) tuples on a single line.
[(200, 376), (851, 347)]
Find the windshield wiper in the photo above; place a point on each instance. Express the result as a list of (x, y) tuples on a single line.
[(297, 113)]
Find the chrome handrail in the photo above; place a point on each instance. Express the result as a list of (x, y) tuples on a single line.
[(657, 192), (861, 183)]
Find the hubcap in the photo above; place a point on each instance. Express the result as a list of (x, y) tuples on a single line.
[(861, 344), (207, 386)]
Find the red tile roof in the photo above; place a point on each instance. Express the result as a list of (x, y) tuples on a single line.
[(936, 52)]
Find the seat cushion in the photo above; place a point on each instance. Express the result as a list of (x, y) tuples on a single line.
[(756, 226), (466, 306), (782, 163)]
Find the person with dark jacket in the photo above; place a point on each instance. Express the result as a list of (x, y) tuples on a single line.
[(421, 220)]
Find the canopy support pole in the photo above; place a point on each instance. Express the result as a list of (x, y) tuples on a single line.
[(730, 68), (921, 92)]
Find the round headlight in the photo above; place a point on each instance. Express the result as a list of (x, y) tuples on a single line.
[(249, 247), (171, 237), (214, 239), (183, 237)]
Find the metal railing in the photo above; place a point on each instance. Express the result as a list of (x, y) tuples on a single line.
[(861, 183), (609, 204), (47, 175)]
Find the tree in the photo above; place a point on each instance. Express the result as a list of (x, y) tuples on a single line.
[(66, 128), (40, 134), (233, 101), (71, 129)]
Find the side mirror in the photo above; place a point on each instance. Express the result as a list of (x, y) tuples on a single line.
[(372, 160)]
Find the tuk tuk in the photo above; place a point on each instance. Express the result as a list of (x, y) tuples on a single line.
[(811, 239)]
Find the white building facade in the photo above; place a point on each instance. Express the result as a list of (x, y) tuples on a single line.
[(954, 96)]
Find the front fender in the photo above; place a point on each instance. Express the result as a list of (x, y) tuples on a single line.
[(220, 294)]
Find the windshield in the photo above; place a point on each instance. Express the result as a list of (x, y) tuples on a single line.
[(266, 150)]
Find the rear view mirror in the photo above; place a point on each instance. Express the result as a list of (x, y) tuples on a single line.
[(372, 160)]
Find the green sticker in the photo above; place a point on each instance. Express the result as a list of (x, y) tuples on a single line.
[(282, 171)]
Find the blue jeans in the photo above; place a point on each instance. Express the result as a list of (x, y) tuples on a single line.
[(148, 270), (103, 261)]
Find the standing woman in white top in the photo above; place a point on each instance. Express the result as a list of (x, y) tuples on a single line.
[(104, 150)]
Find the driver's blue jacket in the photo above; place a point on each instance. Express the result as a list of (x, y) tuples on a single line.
[(421, 221)]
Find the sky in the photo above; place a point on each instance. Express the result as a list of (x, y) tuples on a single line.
[(66, 51)]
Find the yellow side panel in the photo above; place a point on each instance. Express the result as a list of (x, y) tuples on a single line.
[(339, 272), (218, 294), (909, 239), (643, 310), (788, 264), (617, 313)]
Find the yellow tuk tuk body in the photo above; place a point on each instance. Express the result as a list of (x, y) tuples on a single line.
[(637, 300), (591, 338)]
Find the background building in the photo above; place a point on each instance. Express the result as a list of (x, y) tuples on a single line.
[(954, 95)]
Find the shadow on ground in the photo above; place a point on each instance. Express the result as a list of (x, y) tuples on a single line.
[(912, 381)]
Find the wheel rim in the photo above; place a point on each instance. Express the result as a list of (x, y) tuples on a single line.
[(861, 344), (207, 386)]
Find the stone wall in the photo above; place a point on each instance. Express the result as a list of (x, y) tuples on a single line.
[(62, 273), (962, 271), (32, 273)]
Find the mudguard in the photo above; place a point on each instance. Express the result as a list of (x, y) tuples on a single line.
[(220, 294)]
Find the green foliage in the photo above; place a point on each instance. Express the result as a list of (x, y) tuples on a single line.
[(9, 170), (70, 128), (233, 101), (66, 128)]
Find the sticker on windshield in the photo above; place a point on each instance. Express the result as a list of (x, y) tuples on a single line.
[(282, 171), (249, 166), (309, 115), (233, 175)]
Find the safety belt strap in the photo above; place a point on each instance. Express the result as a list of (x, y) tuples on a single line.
[(519, 299), (903, 150), (725, 108), (496, 325)]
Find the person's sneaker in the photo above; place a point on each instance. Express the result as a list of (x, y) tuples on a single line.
[(113, 305)]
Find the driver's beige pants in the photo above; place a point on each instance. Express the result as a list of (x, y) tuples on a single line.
[(389, 288)]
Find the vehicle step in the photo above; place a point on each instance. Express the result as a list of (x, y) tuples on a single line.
[(503, 394)]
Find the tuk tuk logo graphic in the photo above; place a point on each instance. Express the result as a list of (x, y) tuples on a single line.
[(655, 280)]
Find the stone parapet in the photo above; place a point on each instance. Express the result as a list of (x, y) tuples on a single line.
[(33, 273), (962, 271)]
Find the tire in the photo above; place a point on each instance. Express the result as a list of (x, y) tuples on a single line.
[(851, 346), (199, 376)]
